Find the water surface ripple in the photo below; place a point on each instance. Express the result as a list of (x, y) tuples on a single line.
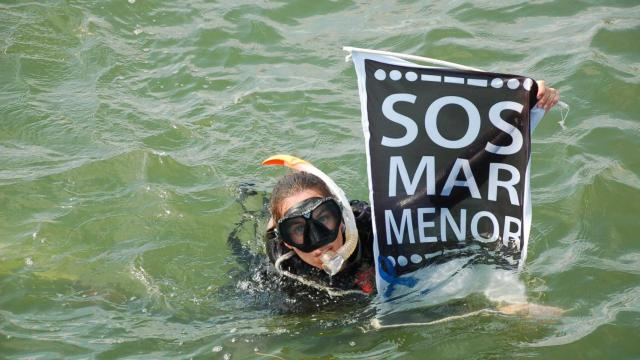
[(130, 138)]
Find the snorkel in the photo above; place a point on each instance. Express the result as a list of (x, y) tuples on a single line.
[(332, 262)]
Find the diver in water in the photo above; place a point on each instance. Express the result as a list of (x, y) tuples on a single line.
[(319, 251)]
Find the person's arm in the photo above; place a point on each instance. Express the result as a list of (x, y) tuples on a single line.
[(547, 97), (243, 255)]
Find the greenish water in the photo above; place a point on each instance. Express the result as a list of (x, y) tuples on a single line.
[(129, 128)]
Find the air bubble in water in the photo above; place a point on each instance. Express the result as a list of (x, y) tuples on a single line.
[(132, 1), (217, 348)]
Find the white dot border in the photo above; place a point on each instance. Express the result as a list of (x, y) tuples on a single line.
[(413, 76)]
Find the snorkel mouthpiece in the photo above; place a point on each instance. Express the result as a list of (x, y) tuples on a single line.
[(332, 262)]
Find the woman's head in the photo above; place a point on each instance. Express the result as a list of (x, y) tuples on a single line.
[(291, 191)]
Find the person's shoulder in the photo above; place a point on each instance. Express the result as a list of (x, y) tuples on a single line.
[(361, 212)]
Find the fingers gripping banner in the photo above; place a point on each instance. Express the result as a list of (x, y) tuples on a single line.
[(448, 156)]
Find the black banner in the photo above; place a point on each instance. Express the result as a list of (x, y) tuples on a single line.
[(448, 154)]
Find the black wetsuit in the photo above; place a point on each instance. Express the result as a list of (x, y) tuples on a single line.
[(359, 271)]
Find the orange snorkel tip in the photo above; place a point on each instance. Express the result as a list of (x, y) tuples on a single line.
[(284, 160)]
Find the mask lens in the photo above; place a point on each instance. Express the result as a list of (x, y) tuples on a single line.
[(328, 214), (292, 230)]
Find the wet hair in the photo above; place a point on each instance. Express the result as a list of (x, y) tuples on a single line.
[(292, 184)]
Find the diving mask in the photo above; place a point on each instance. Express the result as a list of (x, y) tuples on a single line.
[(311, 224)]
